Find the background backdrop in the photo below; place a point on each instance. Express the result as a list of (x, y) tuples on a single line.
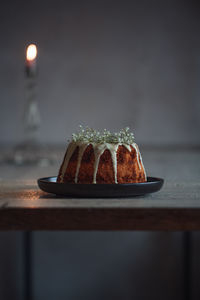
[(103, 64)]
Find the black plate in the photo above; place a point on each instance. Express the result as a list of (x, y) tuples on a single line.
[(50, 185)]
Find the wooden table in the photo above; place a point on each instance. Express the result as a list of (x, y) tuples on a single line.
[(24, 207), (176, 207)]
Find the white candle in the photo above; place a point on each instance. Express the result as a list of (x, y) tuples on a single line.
[(31, 60)]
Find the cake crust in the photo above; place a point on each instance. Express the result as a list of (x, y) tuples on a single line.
[(98, 165)]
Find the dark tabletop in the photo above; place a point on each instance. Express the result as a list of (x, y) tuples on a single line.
[(176, 207)]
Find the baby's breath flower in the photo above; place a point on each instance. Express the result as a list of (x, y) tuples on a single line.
[(91, 135)]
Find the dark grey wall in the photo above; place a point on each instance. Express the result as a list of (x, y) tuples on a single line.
[(104, 64)]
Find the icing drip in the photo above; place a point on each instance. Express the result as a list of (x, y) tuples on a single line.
[(137, 154), (140, 162), (113, 151), (98, 151), (128, 147), (82, 148), (70, 150), (145, 175)]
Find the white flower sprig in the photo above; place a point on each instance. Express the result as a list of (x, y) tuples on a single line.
[(90, 135)]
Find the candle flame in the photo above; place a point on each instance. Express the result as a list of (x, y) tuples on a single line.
[(31, 52)]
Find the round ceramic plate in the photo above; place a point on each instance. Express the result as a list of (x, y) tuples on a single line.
[(50, 185)]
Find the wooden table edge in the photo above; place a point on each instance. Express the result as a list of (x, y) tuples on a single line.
[(106, 219)]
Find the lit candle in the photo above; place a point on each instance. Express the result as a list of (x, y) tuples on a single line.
[(31, 60), (31, 115), (28, 151)]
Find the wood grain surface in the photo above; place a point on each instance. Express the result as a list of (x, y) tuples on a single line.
[(176, 207), (24, 207)]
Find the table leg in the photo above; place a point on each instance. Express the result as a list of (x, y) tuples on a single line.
[(28, 265), (187, 264)]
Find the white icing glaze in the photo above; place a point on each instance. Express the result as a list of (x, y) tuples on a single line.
[(137, 154), (113, 151), (98, 151), (141, 164), (70, 150), (145, 175), (81, 151)]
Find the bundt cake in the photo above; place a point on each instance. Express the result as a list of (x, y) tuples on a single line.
[(94, 157)]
